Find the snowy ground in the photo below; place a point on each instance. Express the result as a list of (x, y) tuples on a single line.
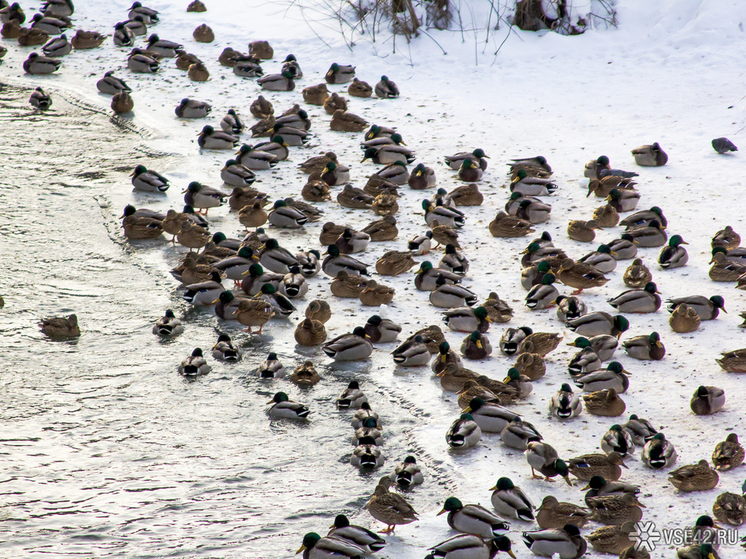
[(671, 73)]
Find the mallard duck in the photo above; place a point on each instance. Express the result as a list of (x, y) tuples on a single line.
[(706, 309), (597, 324), (579, 275), (539, 342), (599, 487), (623, 248), (565, 404), (608, 466), (476, 346), (697, 551), (261, 49), (457, 263), (648, 348), (650, 155), (318, 310), (254, 215), (552, 515), (684, 319), (204, 293), (444, 358), (254, 312), (137, 228), (645, 300), (49, 25), (58, 8), (342, 121), (316, 546), (150, 15), (310, 332), (270, 368), (224, 350), (490, 416), (637, 275), (60, 327), (465, 319), (443, 214), (531, 365), (421, 177), (614, 376), (420, 244), (432, 336), (728, 453), (521, 383), (601, 259), (606, 403), (14, 12), (375, 295), (167, 326), (518, 433), (293, 284), (565, 541), (730, 508), (511, 501), (538, 161), (733, 361), (641, 430), (112, 85), (707, 400), (473, 519), (386, 89), (390, 508), (209, 138), (383, 229), (57, 47), (362, 537), (257, 278), (348, 285), (280, 303), (305, 375), (478, 156), (203, 197), (615, 509), (584, 362), (335, 263), (582, 230), (203, 34), (286, 216), (359, 88), (612, 539), (148, 181), (226, 306), (606, 216), (658, 452), (412, 353), (122, 103), (470, 171), (36, 64), (277, 82), (443, 234), (533, 211), (650, 236), (362, 414), (194, 365), (355, 198), (349, 347), (508, 226), (367, 455), (249, 69), (385, 205), (531, 185), (543, 457), (27, 36), (467, 545), (471, 389), (137, 25), (725, 270), (335, 174), (393, 263), (184, 60), (497, 310), (463, 433), (381, 330), (162, 47), (284, 408), (449, 296), (569, 308), (644, 218), (673, 255), (512, 337), (427, 277), (542, 295), (352, 397), (468, 195), (599, 168), (726, 238), (723, 145), (694, 477), (408, 473), (198, 72), (389, 153), (454, 378)]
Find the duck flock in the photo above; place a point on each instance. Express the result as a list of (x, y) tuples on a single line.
[(255, 281)]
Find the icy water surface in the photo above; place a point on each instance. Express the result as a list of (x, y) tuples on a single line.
[(104, 448)]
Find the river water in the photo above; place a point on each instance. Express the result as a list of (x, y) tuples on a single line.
[(105, 449)]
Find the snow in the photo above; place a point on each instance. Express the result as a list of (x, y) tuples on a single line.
[(671, 72)]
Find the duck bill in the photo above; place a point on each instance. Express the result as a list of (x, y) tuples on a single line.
[(568, 481), (572, 344), (586, 487), (510, 552), (302, 548), (506, 380), (468, 410), (639, 504), (494, 488), (215, 301), (479, 344), (441, 512)]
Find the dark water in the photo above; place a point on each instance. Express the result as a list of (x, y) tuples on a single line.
[(104, 449)]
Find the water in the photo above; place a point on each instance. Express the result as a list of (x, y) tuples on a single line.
[(105, 448)]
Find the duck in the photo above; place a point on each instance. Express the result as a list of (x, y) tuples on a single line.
[(280, 303), (465, 319), (257, 159), (253, 215), (730, 508), (552, 514), (543, 457), (49, 25), (651, 236), (359, 88), (511, 339), (386, 89), (490, 416), (608, 466), (111, 85), (224, 350), (40, 99), (443, 214), (226, 306), (421, 177), (343, 121), (357, 535), (335, 174), (518, 433), (470, 171), (463, 433), (194, 365), (270, 368), (650, 155), (637, 275), (726, 238), (27, 36), (457, 263), (352, 197), (315, 546), (658, 452), (162, 47), (531, 365), (138, 228), (565, 541), (257, 278), (476, 346), (605, 403), (471, 389), (473, 519), (57, 8), (381, 330), (617, 440), (203, 197), (385, 205), (599, 487), (60, 327), (412, 353), (697, 551), (582, 231), (148, 181), (646, 348), (427, 277), (645, 300), (694, 477), (511, 502), (540, 343), (305, 375), (569, 307), (467, 545), (334, 103), (12, 13), (443, 234), (349, 347), (598, 323), (448, 295), (614, 376), (728, 454), (209, 138), (339, 73), (624, 248), (335, 263), (584, 362), (375, 295), (579, 275), (191, 108), (601, 259), (362, 414), (288, 217), (684, 319), (293, 284), (612, 539), (393, 262), (432, 336), (352, 397), (565, 404), (521, 383), (408, 473), (673, 255), (600, 168), (284, 408), (388, 154), (725, 269), (310, 332), (204, 293), (706, 309), (531, 185), (277, 82), (347, 285), (168, 325), (254, 312), (420, 245), (733, 361), (606, 216), (508, 226), (138, 9), (615, 509), (723, 145), (57, 47), (707, 400), (478, 155), (641, 430), (543, 295), (36, 64), (137, 25), (390, 508), (122, 103), (184, 60)]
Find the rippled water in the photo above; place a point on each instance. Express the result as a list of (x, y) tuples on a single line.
[(104, 447)]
